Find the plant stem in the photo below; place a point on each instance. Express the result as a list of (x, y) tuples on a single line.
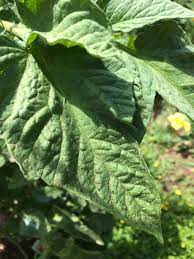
[(14, 28)]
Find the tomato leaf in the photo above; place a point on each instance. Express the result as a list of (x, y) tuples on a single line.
[(58, 132), (74, 101)]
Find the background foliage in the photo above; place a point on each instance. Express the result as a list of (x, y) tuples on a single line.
[(37, 221)]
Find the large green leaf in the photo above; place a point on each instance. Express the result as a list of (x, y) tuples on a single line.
[(60, 133), (67, 22), (74, 102), (172, 62), (127, 15), (83, 23)]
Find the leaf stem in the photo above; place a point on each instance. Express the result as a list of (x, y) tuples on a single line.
[(14, 29)]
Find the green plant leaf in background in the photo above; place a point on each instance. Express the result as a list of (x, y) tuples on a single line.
[(172, 62), (128, 15)]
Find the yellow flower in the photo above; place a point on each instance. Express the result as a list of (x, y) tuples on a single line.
[(178, 192), (180, 122)]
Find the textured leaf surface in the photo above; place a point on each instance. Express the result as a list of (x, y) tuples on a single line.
[(67, 22), (73, 99), (127, 15), (58, 135), (144, 84), (84, 24), (172, 62)]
